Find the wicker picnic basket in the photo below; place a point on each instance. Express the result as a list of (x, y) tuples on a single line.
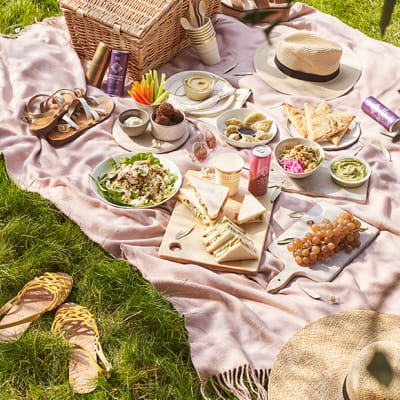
[(149, 30)]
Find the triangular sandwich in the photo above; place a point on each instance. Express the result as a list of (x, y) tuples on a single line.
[(251, 210), (189, 199), (220, 233), (296, 116), (236, 249), (210, 195)]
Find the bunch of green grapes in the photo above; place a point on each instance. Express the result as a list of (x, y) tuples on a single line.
[(327, 238)]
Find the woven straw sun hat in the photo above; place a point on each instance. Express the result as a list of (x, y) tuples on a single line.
[(307, 64), (350, 355)]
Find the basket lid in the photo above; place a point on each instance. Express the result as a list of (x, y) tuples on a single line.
[(135, 17)]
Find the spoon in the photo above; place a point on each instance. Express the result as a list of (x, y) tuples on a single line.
[(186, 24), (203, 11), (192, 15)]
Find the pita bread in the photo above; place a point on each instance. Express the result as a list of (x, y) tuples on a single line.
[(296, 116), (319, 126), (343, 124), (319, 123)]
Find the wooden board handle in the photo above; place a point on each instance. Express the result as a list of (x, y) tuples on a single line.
[(280, 280)]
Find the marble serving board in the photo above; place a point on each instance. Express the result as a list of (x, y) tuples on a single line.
[(318, 184), (191, 249), (325, 270)]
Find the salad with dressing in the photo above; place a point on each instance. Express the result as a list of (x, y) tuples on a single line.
[(140, 180)]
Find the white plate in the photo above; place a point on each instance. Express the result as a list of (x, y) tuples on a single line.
[(177, 93), (242, 113), (348, 139), (105, 166), (145, 142)]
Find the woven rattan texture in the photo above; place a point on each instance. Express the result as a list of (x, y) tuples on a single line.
[(148, 29)]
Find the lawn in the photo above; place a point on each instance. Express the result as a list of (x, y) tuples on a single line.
[(141, 334)]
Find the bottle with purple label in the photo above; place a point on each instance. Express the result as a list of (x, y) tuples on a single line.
[(117, 72), (380, 113)]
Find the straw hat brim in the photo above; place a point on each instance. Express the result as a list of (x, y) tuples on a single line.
[(350, 71), (314, 363)]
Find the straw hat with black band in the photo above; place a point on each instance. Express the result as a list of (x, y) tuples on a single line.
[(350, 355), (306, 64)]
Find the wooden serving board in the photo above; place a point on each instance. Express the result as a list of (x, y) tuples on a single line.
[(325, 270), (191, 249), (319, 184)]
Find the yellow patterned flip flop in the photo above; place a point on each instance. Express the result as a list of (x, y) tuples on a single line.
[(78, 326), (40, 295)]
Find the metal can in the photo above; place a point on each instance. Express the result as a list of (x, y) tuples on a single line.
[(259, 164), (99, 64), (117, 72), (380, 113)]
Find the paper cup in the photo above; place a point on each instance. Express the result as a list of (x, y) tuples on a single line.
[(209, 52), (228, 169)]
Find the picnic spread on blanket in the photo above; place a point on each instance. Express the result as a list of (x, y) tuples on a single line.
[(254, 183)]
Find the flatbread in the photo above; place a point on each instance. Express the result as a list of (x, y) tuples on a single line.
[(343, 121), (320, 123), (296, 116), (319, 126)]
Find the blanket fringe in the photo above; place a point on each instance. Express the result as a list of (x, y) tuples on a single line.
[(244, 383)]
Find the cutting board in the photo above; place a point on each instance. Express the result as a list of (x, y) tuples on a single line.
[(191, 249), (319, 184), (325, 270)]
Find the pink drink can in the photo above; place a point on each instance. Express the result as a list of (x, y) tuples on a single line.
[(260, 160), (117, 73), (380, 113)]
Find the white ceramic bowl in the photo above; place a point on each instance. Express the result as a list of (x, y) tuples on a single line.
[(353, 165), (241, 114), (130, 128), (168, 133), (291, 142)]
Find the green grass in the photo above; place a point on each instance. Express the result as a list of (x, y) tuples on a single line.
[(141, 334)]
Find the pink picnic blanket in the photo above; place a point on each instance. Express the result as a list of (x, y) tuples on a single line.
[(235, 326)]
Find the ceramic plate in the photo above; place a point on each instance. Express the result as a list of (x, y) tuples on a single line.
[(177, 94), (147, 142), (241, 114), (348, 139), (106, 166)]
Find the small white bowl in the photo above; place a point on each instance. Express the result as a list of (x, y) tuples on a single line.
[(354, 165), (168, 133), (291, 142), (133, 121)]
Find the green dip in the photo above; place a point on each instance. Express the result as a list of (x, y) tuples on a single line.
[(349, 169)]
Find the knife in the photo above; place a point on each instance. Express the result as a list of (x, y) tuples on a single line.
[(207, 103)]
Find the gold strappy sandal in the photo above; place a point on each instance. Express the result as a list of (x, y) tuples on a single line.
[(40, 295), (43, 117), (78, 326)]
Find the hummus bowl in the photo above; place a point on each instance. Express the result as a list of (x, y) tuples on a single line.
[(349, 171)]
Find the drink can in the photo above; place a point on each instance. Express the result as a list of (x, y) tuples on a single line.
[(117, 72), (260, 160), (99, 64), (380, 113)]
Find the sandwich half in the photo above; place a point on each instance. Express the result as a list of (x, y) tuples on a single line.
[(219, 234), (236, 249), (189, 199), (251, 210), (210, 195)]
